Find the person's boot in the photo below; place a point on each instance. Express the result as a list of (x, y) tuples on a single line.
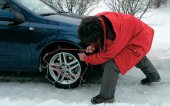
[(148, 80), (99, 99), (149, 70)]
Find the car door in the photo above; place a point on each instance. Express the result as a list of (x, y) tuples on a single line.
[(14, 45)]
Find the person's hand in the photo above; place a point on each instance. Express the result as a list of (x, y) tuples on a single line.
[(90, 49), (81, 56)]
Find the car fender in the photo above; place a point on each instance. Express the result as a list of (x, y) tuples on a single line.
[(59, 38), (71, 40)]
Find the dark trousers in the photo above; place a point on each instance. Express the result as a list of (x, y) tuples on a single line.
[(111, 74)]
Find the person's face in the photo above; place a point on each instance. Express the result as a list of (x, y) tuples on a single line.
[(95, 44)]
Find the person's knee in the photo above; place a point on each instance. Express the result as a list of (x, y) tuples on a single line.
[(142, 63), (111, 66)]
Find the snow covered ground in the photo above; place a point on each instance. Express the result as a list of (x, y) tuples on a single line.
[(129, 90)]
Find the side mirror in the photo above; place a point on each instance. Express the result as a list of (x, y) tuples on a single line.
[(6, 15)]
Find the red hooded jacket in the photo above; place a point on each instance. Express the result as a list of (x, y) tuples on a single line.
[(133, 41)]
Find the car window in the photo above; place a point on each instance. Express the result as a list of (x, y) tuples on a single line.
[(37, 6), (2, 3), (13, 9)]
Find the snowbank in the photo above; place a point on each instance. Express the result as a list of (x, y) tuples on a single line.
[(129, 91)]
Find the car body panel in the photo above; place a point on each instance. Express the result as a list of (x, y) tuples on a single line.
[(21, 44)]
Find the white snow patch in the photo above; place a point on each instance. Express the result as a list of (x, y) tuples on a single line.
[(129, 90)]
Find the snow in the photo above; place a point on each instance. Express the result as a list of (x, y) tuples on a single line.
[(129, 90)]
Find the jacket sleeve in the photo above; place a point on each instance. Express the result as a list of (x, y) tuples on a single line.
[(99, 58)]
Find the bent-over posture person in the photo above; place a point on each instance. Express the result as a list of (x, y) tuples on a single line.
[(122, 42)]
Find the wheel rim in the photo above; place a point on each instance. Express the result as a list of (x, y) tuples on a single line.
[(64, 68)]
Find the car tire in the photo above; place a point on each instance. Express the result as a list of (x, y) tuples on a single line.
[(63, 68)]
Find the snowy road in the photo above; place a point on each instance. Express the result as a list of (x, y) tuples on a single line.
[(33, 92), (37, 92)]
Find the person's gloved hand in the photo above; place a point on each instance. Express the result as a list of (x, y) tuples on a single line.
[(81, 56)]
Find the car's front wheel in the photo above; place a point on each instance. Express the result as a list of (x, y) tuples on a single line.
[(64, 69)]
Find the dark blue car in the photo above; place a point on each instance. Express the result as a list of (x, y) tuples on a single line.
[(35, 37)]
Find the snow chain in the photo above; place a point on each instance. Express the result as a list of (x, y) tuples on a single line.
[(48, 64)]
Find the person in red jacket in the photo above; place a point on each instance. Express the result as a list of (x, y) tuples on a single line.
[(121, 41)]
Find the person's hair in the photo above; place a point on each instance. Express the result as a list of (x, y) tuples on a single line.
[(91, 30)]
